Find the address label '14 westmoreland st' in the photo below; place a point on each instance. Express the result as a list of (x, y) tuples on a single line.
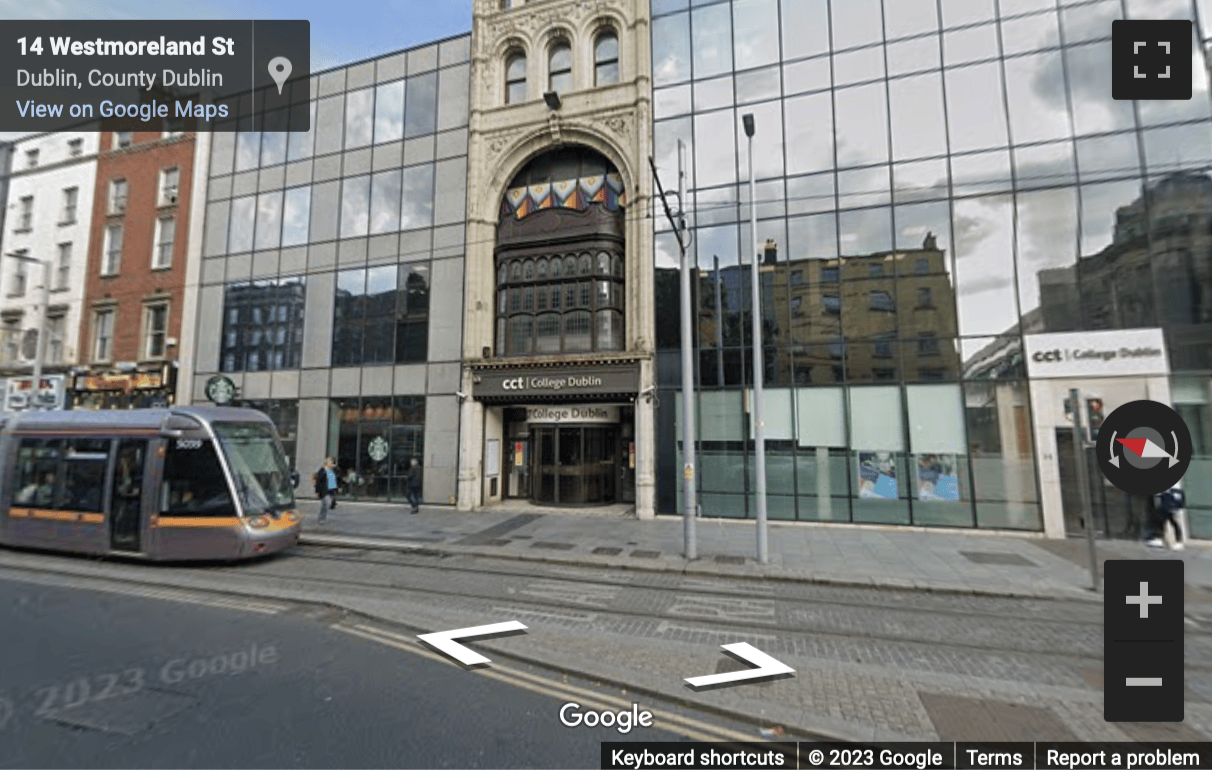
[(136, 75)]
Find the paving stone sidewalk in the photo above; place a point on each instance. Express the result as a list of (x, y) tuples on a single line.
[(1000, 564)]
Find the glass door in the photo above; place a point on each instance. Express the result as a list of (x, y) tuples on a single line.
[(546, 469), (572, 466)]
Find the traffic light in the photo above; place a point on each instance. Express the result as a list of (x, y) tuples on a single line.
[(1094, 417)]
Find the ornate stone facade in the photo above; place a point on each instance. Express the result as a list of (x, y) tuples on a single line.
[(614, 120)]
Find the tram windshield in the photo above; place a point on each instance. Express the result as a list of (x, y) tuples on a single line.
[(257, 465)]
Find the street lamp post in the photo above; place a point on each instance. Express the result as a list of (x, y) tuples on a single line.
[(759, 426), (40, 347)]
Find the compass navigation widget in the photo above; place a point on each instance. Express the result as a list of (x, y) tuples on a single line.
[(1144, 448)]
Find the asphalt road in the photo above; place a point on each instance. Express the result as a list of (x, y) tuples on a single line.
[(94, 679)]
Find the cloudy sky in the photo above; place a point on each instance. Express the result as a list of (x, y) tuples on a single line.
[(341, 32)]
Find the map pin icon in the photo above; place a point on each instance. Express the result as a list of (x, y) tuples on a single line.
[(279, 70)]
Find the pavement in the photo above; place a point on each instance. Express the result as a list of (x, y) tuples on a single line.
[(987, 563)]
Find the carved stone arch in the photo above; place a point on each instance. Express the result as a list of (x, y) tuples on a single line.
[(529, 146), (603, 20)]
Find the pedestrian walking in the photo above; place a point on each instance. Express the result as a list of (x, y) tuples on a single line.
[(1167, 508), (325, 481), (413, 488)]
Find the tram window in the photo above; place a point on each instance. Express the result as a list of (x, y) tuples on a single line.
[(85, 463), (37, 471), (194, 484)]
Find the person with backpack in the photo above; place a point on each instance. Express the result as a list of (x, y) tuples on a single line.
[(413, 487), (325, 481), (1167, 508)]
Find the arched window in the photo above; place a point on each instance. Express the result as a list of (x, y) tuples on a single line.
[(560, 68), (515, 78), (551, 303), (606, 59)]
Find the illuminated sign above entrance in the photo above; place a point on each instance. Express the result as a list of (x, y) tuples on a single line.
[(571, 414), (557, 382), (1096, 354)]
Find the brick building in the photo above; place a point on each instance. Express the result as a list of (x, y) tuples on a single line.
[(135, 279)]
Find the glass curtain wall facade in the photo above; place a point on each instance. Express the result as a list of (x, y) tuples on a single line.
[(332, 270), (935, 179)]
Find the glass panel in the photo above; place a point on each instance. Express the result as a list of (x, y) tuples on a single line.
[(349, 312), (715, 148), (758, 85), (1108, 157), (863, 187), (805, 116), (1045, 165), (858, 66), (915, 55), (296, 211), (355, 206), (273, 139), (1047, 243), (329, 124), (805, 28), (918, 125), (417, 196), (421, 105), (861, 125), (1030, 32), (572, 470), (668, 102), (959, 12), (975, 110), (971, 44), (389, 112), (712, 94), (910, 17), (756, 33), (240, 234), (923, 180), (810, 75), (865, 231), (856, 23), (359, 111), (385, 202), (1037, 113), (1003, 466), (1094, 111), (985, 264), (982, 172), (671, 49), (269, 220), (193, 484), (299, 146), (712, 32), (767, 141)]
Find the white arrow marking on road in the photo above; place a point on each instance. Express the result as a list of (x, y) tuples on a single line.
[(444, 641), (766, 666)]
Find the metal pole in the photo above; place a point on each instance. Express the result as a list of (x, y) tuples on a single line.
[(1083, 484), (688, 433), (719, 325), (40, 348), (759, 425)]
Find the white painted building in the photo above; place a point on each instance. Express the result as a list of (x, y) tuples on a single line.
[(48, 213)]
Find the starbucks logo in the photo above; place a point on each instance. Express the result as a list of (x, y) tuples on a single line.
[(378, 449)]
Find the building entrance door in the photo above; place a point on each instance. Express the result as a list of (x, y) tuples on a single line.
[(574, 464)]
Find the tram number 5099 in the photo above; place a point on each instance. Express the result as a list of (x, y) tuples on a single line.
[(189, 443)]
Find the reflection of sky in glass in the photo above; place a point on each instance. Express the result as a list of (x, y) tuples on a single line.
[(296, 210), (417, 193), (358, 125), (389, 112), (1001, 242), (756, 36), (269, 219), (355, 202), (711, 29), (240, 235), (385, 202)]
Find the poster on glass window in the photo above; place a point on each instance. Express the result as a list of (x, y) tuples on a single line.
[(877, 475), (937, 477)]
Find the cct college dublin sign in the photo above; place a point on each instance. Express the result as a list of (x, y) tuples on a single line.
[(557, 381), (1123, 352)]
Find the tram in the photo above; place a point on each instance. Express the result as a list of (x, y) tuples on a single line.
[(185, 483)]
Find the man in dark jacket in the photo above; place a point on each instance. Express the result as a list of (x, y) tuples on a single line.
[(326, 487), (413, 486)]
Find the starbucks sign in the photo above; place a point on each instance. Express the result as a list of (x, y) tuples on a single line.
[(378, 449)]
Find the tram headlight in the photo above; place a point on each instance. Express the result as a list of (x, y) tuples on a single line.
[(292, 517), (260, 522)]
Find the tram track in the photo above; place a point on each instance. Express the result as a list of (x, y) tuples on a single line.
[(715, 625)]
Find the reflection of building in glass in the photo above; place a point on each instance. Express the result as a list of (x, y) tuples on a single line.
[(1157, 271), (862, 318)]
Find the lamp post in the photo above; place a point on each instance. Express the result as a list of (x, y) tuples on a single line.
[(759, 426), (40, 347)]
